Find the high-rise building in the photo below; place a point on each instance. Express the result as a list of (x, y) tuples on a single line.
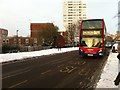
[(119, 16), (73, 12)]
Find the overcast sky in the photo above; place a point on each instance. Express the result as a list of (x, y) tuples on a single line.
[(18, 14)]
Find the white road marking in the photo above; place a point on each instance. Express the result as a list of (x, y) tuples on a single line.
[(68, 69), (72, 70), (46, 72), (16, 74), (18, 84), (60, 65)]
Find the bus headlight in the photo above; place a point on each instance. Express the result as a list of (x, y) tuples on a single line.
[(81, 50), (100, 51)]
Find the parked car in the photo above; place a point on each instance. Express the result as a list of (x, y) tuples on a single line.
[(114, 48), (109, 44)]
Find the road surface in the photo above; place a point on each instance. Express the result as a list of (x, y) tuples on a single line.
[(66, 70)]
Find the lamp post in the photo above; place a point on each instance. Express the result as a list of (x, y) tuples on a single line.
[(17, 44), (17, 36)]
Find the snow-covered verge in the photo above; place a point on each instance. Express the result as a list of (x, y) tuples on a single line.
[(109, 73), (21, 55)]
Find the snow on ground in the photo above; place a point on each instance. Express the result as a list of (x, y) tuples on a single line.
[(107, 77), (21, 55), (109, 73)]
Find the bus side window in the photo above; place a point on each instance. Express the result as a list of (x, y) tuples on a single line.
[(83, 43)]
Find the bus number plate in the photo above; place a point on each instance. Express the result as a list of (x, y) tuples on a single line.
[(90, 54)]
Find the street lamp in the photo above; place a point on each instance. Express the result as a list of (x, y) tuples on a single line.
[(17, 36), (17, 32), (17, 44)]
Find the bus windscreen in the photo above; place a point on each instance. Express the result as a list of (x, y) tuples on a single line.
[(92, 24), (93, 42)]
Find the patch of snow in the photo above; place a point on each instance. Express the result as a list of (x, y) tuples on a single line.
[(109, 73), (21, 55)]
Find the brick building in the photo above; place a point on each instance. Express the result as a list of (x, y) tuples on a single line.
[(22, 41), (64, 34), (36, 29), (3, 35), (19, 44)]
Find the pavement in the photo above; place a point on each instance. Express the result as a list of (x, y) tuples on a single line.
[(110, 72)]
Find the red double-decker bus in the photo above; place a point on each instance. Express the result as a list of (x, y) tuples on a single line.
[(92, 37)]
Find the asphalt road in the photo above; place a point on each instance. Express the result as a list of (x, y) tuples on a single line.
[(66, 70)]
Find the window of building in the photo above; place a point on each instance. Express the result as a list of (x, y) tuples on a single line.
[(3, 41), (84, 6), (70, 4), (27, 41), (19, 41), (15, 40), (7, 41), (70, 20), (70, 12), (69, 17), (80, 6)]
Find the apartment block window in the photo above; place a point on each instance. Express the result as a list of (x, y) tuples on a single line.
[(84, 17), (69, 23), (70, 9), (84, 14), (69, 17), (70, 4), (70, 20), (84, 6), (70, 12)]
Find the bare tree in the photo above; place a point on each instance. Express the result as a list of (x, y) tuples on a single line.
[(73, 31), (118, 24), (47, 35)]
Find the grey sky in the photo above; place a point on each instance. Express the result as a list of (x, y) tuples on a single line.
[(17, 14), (106, 9)]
